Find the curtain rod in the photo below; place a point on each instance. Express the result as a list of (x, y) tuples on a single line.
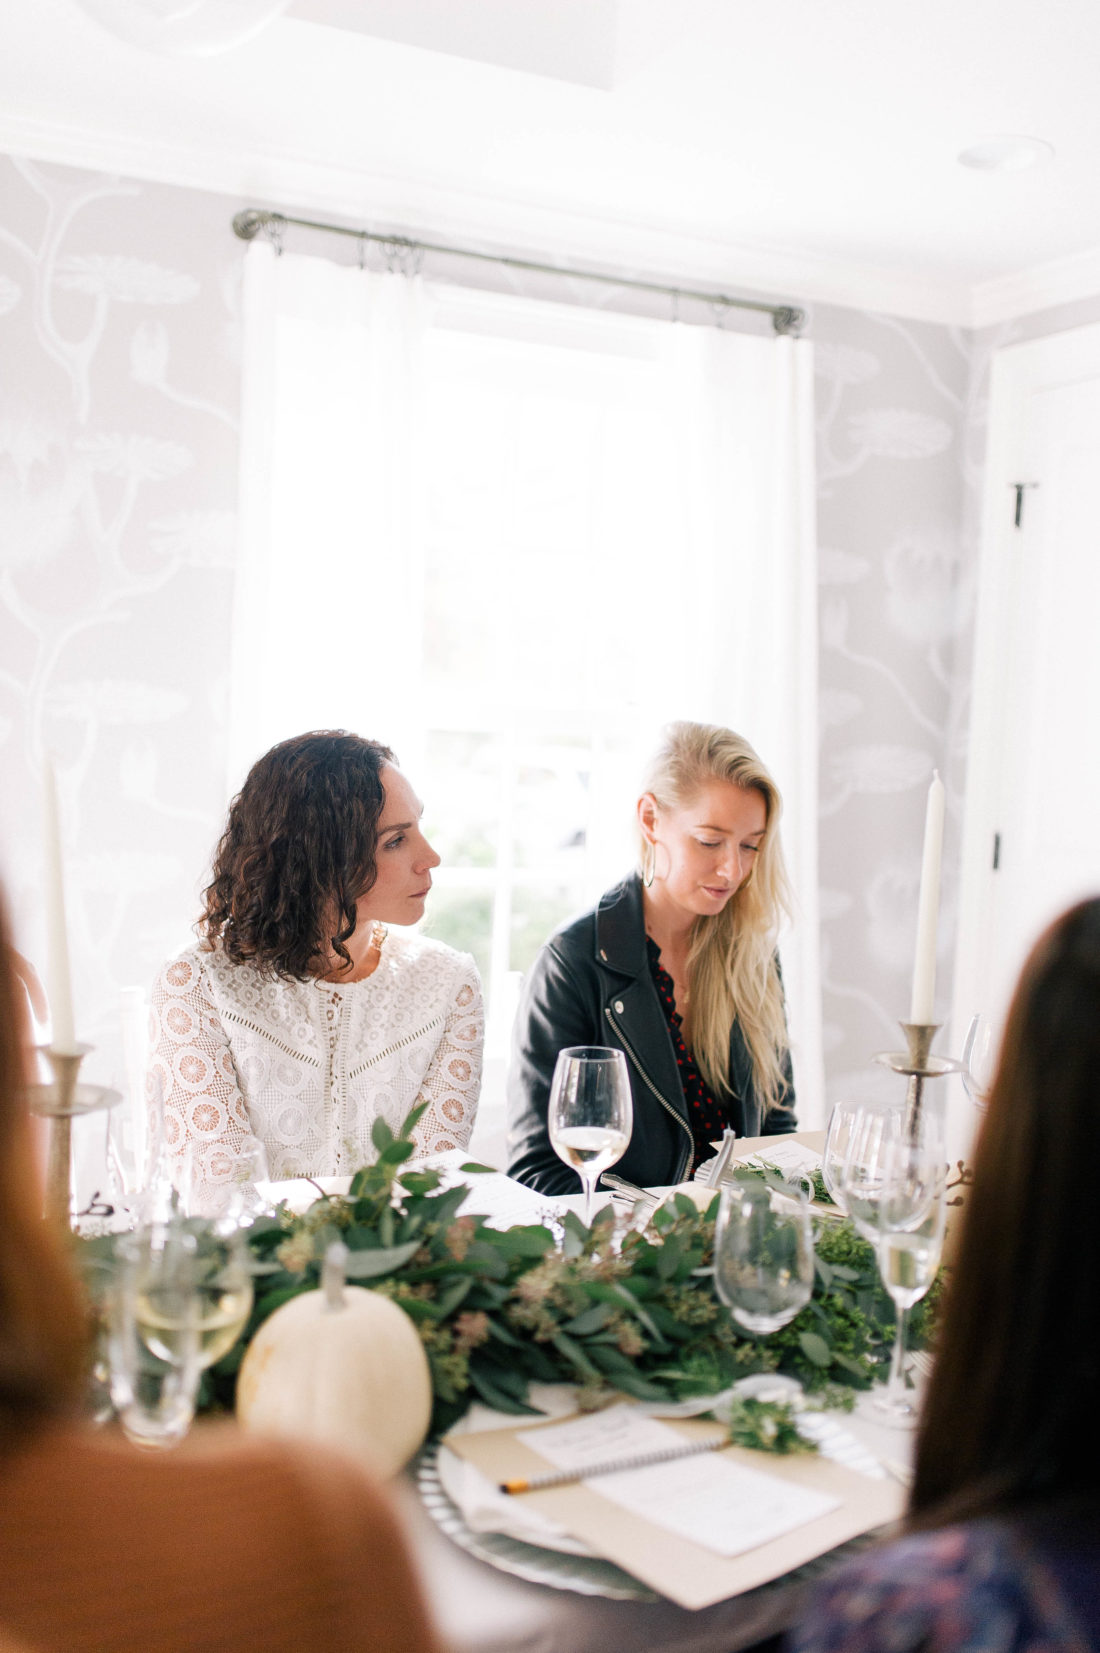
[(254, 221)]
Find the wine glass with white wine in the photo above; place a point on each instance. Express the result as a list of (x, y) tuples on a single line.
[(183, 1297), (591, 1112), (222, 1288), (894, 1183)]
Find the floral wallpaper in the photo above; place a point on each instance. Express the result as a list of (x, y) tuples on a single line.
[(119, 388), (898, 450)]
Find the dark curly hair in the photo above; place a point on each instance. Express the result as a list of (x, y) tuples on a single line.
[(297, 854)]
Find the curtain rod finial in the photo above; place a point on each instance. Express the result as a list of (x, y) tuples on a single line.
[(249, 223), (788, 319)]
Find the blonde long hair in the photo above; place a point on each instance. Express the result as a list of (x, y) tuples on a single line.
[(731, 956)]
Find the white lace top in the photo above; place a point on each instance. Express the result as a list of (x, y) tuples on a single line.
[(305, 1067)]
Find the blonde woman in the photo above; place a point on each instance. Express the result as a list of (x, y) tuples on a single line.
[(676, 967)]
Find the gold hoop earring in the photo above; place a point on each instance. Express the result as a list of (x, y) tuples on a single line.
[(649, 862)]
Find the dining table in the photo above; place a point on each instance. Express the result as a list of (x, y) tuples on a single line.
[(483, 1606)]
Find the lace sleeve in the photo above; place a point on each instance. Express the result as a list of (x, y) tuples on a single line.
[(452, 1084), (205, 1118)]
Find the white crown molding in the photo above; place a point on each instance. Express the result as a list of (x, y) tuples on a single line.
[(1061, 281), (308, 187)]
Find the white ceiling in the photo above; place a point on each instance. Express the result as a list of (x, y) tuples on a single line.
[(800, 148)]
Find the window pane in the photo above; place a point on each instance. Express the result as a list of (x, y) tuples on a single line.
[(462, 813), (463, 919), (536, 914)]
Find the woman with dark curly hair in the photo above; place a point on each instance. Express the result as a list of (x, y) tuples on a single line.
[(297, 1021)]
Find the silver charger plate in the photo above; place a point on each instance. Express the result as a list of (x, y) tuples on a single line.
[(587, 1575)]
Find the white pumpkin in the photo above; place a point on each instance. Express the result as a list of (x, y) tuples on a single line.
[(340, 1365)]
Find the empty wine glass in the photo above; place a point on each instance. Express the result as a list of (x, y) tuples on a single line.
[(590, 1114), (863, 1178), (244, 1196), (763, 1255), (979, 1059), (837, 1137)]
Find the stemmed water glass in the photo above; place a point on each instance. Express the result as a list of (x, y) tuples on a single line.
[(763, 1255), (894, 1182), (979, 1059), (590, 1114), (835, 1152)]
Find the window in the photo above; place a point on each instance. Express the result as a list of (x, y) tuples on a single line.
[(512, 539)]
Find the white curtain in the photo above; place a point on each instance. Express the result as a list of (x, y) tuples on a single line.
[(745, 417), (328, 587), (330, 592)]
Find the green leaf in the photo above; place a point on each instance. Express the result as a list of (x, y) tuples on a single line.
[(396, 1153), (815, 1348), (379, 1260), (412, 1119), (856, 1367), (575, 1235), (447, 1301), (522, 1242), (487, 1257), (503, 1335), (380, 1134), (632, 1384), (495, 1397), (472, 1165), (418, 1183), (574, 1354), (590, 1320)]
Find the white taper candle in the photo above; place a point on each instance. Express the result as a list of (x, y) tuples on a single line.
[(924, 964), (58, 975)]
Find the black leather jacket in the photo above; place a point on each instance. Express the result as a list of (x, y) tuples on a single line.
[(591, 985)]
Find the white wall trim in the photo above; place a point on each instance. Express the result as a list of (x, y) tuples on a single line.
[(1016, 370), (268, 177), (1062, 281)]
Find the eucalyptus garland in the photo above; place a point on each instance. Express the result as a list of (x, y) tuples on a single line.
[(499, 1309)]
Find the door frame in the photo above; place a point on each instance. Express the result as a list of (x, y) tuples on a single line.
[(1016, 372)]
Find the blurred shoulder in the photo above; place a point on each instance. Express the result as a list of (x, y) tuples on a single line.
[(940, 1588)]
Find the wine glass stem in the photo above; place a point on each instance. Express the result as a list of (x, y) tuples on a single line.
[(589, 1189), (896, 1388)]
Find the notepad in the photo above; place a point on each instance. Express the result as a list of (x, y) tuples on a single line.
[(707, 1500)]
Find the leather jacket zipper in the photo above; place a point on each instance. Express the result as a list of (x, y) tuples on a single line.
[(680, 1120)]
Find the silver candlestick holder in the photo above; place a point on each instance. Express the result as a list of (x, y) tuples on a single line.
[(61, 1100), (918, 1064)]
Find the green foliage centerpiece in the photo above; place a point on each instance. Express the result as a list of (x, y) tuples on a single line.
[(498, 1309)]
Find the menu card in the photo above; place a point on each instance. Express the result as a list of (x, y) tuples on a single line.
[(708, 1499), (673, 1562)]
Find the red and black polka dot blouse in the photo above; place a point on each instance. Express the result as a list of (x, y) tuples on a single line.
[(707, 1118)]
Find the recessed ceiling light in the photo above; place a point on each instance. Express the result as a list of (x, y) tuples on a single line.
[(1006, 154)]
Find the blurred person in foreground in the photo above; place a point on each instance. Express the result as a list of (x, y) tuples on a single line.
[(1003, 1544), (225, 1543)]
